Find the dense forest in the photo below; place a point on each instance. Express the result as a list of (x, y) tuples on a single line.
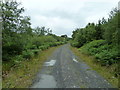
[(101, 40), (19, 40)]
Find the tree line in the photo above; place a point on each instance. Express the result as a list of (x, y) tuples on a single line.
[(104, 29)]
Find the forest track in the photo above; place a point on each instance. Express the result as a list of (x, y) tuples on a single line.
[(64, 70)]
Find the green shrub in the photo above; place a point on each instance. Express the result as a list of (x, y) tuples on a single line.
[(107, 57), (33, 47), (28, 54), (59, 43), (47, 46), (55, 44), (36, 51), (42, 47), (75, 44), (17, 59), (104, 53), (51, 44)]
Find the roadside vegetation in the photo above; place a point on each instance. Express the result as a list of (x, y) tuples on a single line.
[(106, 72), (23, 74), (102, 41), (21, 43)]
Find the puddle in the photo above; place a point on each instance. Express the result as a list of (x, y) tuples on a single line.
[(50, 63), (75, 60), (46, 81)]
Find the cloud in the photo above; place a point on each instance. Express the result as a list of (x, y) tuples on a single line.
[(57, 24), (63, 16)]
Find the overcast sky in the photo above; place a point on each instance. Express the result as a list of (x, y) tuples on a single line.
[(63, 16)]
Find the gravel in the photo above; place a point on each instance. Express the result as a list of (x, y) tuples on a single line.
[(67, 72)]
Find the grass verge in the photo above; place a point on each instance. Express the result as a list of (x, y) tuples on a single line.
[(106, 72), (22, 75)]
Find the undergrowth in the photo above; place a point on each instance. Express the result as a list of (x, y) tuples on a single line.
[(22, 73)]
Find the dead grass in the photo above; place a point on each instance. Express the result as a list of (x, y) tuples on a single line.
[(106, 72), (21, 76)]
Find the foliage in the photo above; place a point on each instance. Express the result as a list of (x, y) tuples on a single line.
[(112, 28), (105, 29), (28, 54), (19, 40), (101, 40), (84, 35), (104, 53)]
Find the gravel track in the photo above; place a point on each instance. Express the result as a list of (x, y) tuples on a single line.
[(68, 72)]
